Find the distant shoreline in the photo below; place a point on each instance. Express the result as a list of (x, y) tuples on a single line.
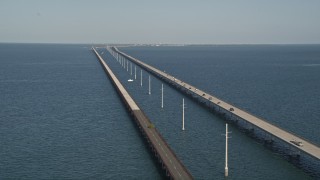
[(157, 45)]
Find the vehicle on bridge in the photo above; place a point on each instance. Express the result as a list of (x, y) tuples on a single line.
[(298, 143)]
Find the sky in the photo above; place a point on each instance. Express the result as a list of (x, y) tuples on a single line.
[(161, 21)]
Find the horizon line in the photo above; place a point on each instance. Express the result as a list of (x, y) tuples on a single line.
[(159, 44)]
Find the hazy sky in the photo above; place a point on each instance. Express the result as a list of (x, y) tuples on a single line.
[(160, 21)]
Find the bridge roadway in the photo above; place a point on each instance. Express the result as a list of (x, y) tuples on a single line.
[(169, 161), (288, 137)]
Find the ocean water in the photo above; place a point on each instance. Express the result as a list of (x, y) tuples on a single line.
[(60, 117)]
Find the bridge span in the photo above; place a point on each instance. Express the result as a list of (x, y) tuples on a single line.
[(289, 138), (170, 163)]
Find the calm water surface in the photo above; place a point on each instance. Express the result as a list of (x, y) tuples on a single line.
[(61, 118)]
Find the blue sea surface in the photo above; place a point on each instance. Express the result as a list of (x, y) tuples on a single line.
[(60, 118)]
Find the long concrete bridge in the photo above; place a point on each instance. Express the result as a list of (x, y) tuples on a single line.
[(170, 163), (289, 138)]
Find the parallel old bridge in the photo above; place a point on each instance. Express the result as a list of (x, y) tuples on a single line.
[(290, 139), (170, 163)]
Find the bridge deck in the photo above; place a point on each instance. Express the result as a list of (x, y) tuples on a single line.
[(175, 169), (307, 147)]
